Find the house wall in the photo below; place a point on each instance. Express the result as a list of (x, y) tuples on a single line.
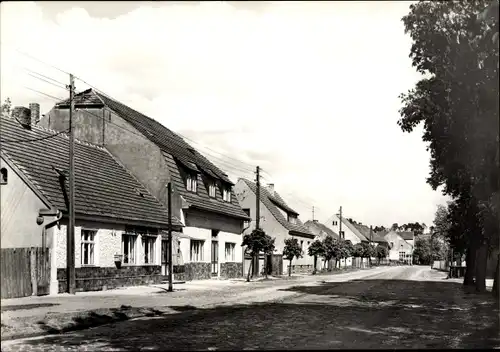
[(137, 153), (104, 274), (19, 211), (349, 234), (268, 222), (397, 244)]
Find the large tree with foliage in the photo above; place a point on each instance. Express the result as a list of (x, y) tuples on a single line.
[(292, 250), (255, 243), (316, 249), (457, 102), (381, 252), (6, 107)]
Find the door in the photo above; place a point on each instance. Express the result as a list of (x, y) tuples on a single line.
[(215, 258), (164, 257)]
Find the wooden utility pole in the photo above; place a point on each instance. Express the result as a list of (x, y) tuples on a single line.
[(70, 240), (340, 223), (170, 254), (313, 212), (257, 205), (257, 220)]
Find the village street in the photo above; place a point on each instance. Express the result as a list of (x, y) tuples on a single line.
[(391, 307)]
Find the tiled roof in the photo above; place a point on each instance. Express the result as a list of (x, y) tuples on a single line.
[(355, 230), (174, 146), (103, 187), (317, 228), (365, 231), (270, 202), (201, 199), (406, 235)]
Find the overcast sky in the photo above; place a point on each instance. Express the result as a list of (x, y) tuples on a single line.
[(308, 91)]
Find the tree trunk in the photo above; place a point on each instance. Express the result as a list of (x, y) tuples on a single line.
[(315, 263), (290, 268), (481, 265), (250, 268), (470, 260), (345, 263), (335, 263), (265, 265)]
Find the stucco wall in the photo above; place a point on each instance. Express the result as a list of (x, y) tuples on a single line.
[(209, 221), (349, 235), (399, 245), (107, 244), (19, 210)]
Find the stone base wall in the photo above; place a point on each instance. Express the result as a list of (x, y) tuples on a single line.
[(231, 270), (192, 271), (96, 279), (302, 269)]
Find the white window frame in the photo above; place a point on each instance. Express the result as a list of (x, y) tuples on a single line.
[(130, 258), (90, 243), (192, 182), (151, 242), (230, 251), (212, 189), (226, 194), (196, 248), (292, 219)]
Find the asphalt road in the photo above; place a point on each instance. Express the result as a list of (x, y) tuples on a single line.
[(402, 307)]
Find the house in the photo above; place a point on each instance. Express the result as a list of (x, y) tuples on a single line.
[(279, 221), (399, 248), (375, 238), (203, 198), (408, 236), (119, 224), (320, 232), (349, 231)]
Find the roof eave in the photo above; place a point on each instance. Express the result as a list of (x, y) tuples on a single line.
[(239, 217), (124, 221), (301, 234)]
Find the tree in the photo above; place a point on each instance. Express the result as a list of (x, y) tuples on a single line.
[(347, 250), (395, 226), (292, 250), (381, 252), (255, 243), (378, 228), (268, 249), (458, 103), (422, 251), (6, 107), (316, 249), (329, 245)]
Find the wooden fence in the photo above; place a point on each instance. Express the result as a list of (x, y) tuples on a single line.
[(24, 271)]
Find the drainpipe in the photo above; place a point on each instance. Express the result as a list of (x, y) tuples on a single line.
[(53, 283)]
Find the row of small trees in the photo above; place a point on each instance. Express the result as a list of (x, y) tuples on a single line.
[(329, 248)]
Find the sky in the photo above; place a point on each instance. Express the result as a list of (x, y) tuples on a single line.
[(308, 91)]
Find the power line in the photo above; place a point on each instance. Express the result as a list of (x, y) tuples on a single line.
[(47, 77), (47, 81), (42, 93)]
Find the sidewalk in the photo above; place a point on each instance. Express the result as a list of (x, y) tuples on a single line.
[(32, 316)]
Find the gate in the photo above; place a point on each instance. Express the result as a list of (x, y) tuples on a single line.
[(24, 272)]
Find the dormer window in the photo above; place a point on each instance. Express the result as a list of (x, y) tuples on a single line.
[(292, 219), (211, 189), (192, 182), (226, 194)]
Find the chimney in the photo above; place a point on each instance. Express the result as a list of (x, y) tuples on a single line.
[(23, 115), (270, 188), (315, 221), (35, 112)]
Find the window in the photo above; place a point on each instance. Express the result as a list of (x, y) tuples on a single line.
[(226, 194), (128, 248), (88, 247), (215, 233), (3, 176), (196, 250), (301, 245), (342, 234), (230, 249), (292, 219), (247, 222), (211, 189), (334, 223), (192, 182), (148, 245)]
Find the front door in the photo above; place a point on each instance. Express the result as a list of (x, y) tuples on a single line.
[(215, 258), (164, 257)]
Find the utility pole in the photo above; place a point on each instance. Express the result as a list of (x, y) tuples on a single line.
[(70, 240), (313, 212), (257, 209), (170, 254), (340, 223), (257, 220)]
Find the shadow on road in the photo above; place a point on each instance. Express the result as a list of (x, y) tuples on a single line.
[(27, 306), (356, 314)]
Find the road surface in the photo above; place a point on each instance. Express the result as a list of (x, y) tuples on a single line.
[(399, 307)]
